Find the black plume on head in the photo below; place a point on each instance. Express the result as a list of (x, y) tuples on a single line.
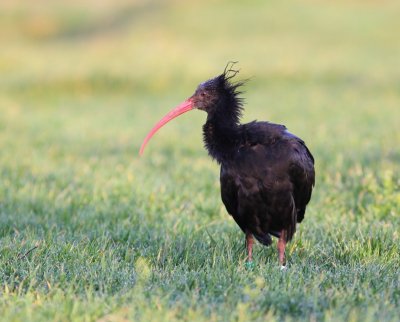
[(231, 89)]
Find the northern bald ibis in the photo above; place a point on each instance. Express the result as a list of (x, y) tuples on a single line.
[(267, 173)]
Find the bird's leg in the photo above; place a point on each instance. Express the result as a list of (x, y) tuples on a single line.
[(249, 244), (281, 248)]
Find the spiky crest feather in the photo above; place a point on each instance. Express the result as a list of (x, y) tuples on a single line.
[(220, 131)]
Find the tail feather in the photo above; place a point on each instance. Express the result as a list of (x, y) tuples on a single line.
[(274, 233), (300, 214), (264, 239), (292, 227)]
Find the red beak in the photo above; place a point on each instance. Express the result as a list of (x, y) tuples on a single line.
[(180, 109)]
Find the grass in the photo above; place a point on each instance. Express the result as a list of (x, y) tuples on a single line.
[(90, 232)]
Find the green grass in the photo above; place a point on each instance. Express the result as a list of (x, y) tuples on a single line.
[(91, 232)]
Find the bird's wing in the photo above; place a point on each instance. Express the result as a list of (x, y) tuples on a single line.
[(257, 192), (283, 166), (299, 158), (302, 174), (268, 182)]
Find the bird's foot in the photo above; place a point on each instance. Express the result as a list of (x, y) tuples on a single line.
[(249, 265)]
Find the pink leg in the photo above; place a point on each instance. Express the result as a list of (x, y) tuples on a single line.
[(249, 243), (281, 248)]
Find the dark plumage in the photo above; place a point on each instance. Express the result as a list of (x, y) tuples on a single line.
[(267, 173)]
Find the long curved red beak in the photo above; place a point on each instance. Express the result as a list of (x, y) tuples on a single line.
[(180, 109)]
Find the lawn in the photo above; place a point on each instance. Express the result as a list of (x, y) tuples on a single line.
[(91, 232)]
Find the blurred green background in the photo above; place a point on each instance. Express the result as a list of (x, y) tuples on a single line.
[(333, 61), (121, 237)]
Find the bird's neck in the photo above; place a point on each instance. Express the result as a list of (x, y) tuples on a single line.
[(220, 138)]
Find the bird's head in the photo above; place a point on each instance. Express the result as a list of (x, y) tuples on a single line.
[(216, 96)]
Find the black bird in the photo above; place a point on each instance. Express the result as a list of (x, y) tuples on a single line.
[(267, 173)]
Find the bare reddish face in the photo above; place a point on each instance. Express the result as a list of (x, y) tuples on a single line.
[(180, 109)]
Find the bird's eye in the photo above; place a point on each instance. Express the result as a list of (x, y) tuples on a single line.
[(202, 94)]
